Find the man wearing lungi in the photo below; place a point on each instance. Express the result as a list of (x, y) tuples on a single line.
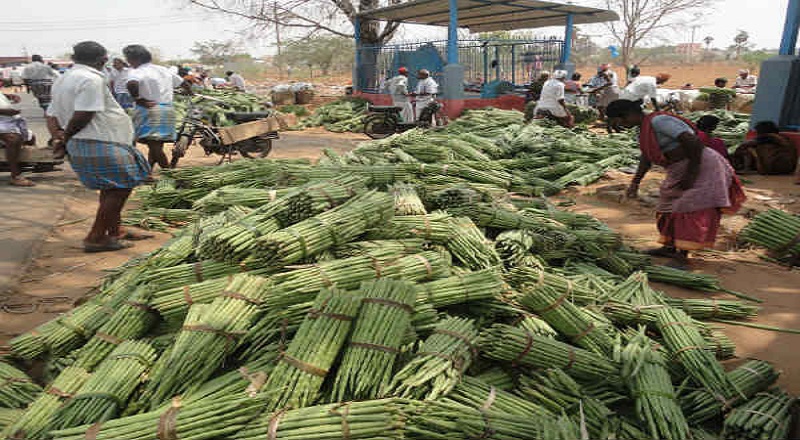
[(700, 184), (151, 88), (98, 135), (39, 77)]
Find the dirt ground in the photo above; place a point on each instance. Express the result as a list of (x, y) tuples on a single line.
[(740, 270), (61, 270)]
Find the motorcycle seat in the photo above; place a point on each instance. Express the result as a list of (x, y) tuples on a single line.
[(384, 109), (240, 117)]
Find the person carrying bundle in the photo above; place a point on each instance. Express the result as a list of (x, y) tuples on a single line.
[(700, 184), (769, 153)]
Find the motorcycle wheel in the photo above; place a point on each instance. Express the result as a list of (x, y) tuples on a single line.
[(179, 149), (257, 148), (378, 126)]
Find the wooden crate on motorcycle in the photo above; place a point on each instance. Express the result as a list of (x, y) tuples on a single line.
[(240, 132)]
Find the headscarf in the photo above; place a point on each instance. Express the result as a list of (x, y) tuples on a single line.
[(648, 143), (560, 74)]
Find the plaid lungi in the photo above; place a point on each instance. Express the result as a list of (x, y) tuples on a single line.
[(155, 123), (124, 99), (107, 165), (41, 90)]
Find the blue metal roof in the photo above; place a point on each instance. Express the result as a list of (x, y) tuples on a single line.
[(491, 15)]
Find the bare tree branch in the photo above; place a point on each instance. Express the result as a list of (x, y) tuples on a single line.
[(308, 16), (640, 20)]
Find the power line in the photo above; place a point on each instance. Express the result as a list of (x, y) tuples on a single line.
[(92, 27), (101, 20)]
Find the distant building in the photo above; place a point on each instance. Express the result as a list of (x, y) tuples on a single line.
[(13, 61)]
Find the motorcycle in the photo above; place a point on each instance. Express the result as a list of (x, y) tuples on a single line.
[(196, 124), (385, 120)]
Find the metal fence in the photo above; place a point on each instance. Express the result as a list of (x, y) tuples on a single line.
[(516, 61)]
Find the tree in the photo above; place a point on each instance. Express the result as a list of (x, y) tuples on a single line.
[(307, 17), (753, 59), (324, 53), (708, 40), (643, 19), (740, 42), (213, 52)]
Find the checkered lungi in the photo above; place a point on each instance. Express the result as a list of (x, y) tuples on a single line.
[(155, 123), (41, 90), (124, 99), (107, 165)]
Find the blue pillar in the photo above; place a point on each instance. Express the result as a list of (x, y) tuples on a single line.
[(567, 51), (357, 69), (790, 28), (452, 34)]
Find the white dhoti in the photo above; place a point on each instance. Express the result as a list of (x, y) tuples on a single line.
[(407, 111), (555, 110), (423, 102)]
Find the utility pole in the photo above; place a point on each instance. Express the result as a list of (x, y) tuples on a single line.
[(277, 26)]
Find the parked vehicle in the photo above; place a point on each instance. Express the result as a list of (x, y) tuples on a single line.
[(197, 125), (384, 120)]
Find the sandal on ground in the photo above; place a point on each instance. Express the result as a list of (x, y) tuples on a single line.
[(664, 251), (113, 245), (135, 236), (20, 181)]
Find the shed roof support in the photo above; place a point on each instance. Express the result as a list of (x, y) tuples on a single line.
[(452, 34), (566, 53), (790, 29)]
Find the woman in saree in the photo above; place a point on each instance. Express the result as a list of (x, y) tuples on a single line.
[(700, 185)]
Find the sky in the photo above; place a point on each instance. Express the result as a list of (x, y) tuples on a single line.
[(50, 27)]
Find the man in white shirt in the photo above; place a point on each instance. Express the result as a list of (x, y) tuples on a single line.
[(235, 80), (641, 88), (118, 82), (552, 103), (151, 88), (426, 91), (39, 78), (397, 87), (98, 136), (745, 82)]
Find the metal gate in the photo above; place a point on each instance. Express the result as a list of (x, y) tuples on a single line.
[(517, 61)]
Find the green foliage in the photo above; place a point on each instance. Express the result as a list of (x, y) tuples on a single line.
[(324, 53), (755, 58), (297, 110)]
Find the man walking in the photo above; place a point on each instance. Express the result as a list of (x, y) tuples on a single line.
[(151, 88), (39, 77), (99, 139)]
